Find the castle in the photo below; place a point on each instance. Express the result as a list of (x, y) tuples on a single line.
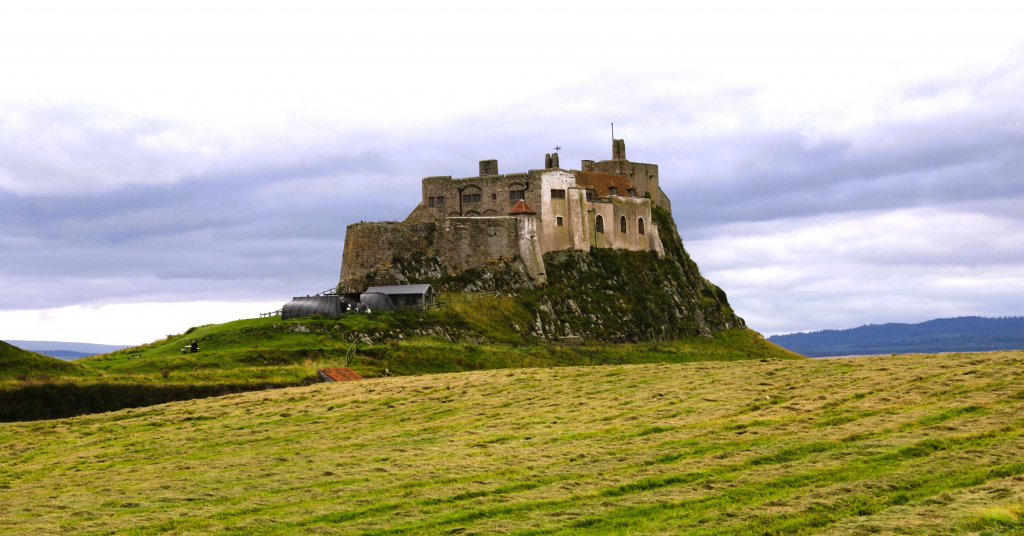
[(470, 223)]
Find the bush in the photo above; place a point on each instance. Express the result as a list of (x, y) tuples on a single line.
[(60, 400)]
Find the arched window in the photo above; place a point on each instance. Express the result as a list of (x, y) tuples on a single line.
[(622, 224), (640, 225), (599, 224)]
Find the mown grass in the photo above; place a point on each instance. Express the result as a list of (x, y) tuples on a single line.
[(911, 444)]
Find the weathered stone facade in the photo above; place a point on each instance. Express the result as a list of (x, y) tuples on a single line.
[(465, 224), (387, 253)]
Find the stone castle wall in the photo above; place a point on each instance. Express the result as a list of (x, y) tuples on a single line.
[(493, 191), (374, 250)]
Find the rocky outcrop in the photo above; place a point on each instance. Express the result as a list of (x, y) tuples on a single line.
[(602, 294)]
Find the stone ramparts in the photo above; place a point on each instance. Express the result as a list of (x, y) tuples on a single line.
[(386, 253)]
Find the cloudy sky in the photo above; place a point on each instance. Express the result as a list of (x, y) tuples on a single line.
[(168, 165)]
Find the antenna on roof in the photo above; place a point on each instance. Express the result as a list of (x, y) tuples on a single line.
[(613, 131)]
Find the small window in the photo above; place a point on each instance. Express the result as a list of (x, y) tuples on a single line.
[(516, 195), (613, 190), (439, 201), (640, 225), (632, 192), (599, 224), (430, 201), (590, 195), (622, 224), (470, 198), (494, 196), (557, 194), (558, 221)]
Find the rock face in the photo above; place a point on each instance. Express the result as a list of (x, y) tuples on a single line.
[(602, 294), (628, 296)]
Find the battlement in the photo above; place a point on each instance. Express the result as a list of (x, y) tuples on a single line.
[(606, 204)]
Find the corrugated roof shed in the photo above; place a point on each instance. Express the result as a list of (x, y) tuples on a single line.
[(301, 306), (397, 290)]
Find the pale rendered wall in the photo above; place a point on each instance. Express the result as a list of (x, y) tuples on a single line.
[(553, 237)]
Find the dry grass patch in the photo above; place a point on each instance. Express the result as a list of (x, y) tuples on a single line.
[(912, 444)]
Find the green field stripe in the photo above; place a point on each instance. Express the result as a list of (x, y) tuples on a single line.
[(757, 493)]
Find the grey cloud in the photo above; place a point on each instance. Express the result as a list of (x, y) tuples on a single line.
[(157, 221)]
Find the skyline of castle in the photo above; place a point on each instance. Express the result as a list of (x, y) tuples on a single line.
[(465, 223)]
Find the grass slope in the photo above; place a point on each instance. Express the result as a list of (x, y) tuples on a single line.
[(19, 365), (474, 335), (914, 444)]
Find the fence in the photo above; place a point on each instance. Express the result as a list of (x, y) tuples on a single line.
[(461, 298)]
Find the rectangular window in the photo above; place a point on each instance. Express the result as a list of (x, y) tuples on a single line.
[(440, 201), (494, 196), (470, 198), (558, 221), (590, 195), (430, 201), (632, 192), (516, 195), (557, 194), (613, 190)]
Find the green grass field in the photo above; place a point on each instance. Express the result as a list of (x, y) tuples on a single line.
[(476, 335), (909, 444)]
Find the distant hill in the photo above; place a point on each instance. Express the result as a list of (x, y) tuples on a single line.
[(67, 355), (963, 334), (66, 350)]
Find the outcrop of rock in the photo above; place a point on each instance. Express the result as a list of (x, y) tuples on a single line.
[(602, 294), (628, 296)]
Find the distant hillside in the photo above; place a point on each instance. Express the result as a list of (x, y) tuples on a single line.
[(80, 349), (963, 334), (67, 355)]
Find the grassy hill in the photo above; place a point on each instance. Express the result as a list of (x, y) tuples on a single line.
[(17, 365), (914, 444), (486, 333)]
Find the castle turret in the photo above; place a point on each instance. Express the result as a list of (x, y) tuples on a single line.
[(488, 168), (618, 149)]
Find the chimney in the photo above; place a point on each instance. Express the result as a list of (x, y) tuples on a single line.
[(547, 161), (488, 167), (587, 165), (554, 160), (618, 149)]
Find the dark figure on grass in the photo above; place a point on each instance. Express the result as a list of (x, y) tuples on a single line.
[(195, 346)]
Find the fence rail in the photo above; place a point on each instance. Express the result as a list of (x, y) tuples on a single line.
[(462, 298), (271, 313)]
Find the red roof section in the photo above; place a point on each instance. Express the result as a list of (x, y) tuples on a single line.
[(522, 208), (341, 374), (601, 182)]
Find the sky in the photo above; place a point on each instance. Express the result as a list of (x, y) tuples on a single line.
[(165, 165)]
